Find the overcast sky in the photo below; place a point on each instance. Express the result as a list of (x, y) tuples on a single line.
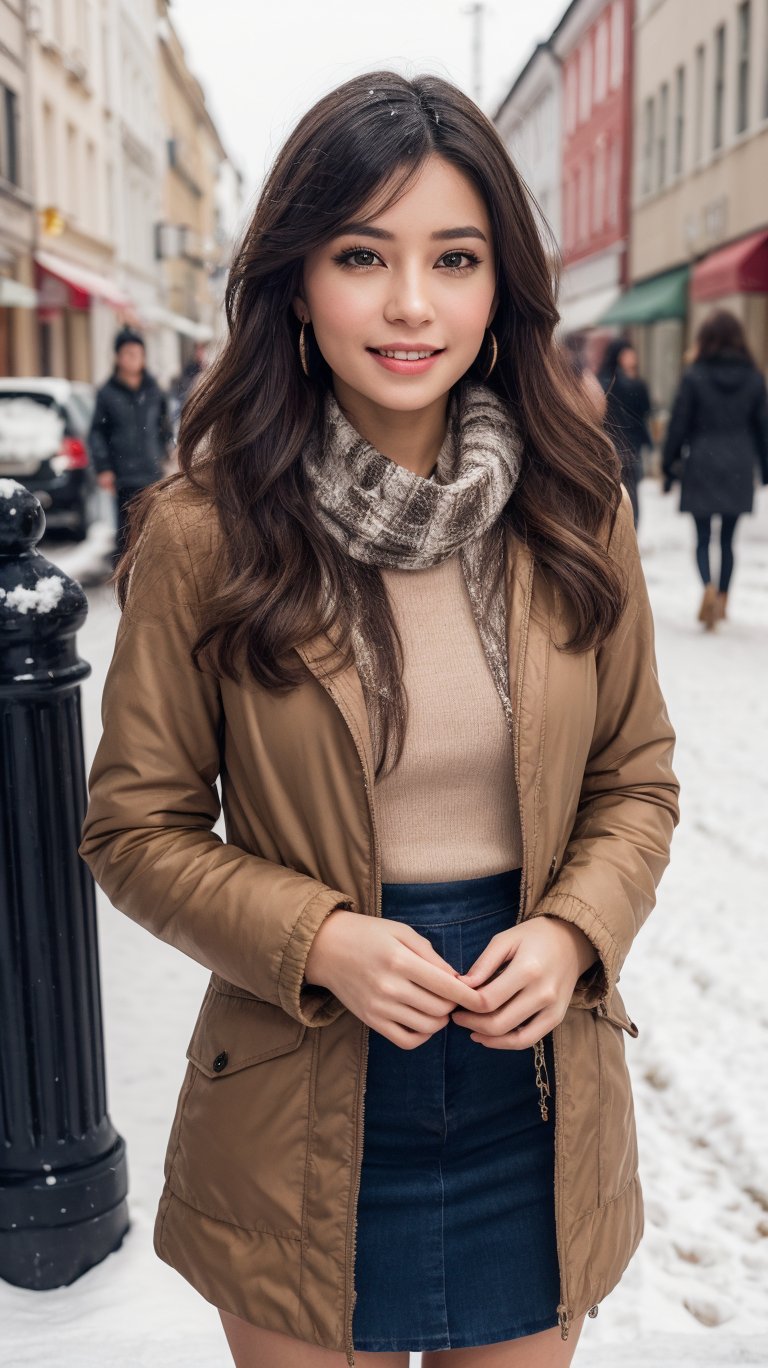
[(262, 63)]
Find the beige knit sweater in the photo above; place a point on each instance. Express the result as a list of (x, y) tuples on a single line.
[(449, 810)]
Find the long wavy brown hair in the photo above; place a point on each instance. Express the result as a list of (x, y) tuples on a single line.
[(243, 429)]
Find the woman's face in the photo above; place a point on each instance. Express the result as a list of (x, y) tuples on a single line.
[(628, 362), (419, 277)]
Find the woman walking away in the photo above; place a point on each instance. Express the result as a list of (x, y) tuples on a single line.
[(720, 415), (628, 406), (393, 601)]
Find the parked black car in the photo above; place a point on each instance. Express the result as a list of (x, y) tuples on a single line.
[(44, 426)]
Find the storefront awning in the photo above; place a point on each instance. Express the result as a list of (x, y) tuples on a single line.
[(664, 296), (84, 281), (14, 295), (741, 268), (188, 327), (583, 311)]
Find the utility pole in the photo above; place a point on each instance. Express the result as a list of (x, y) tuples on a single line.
[(476, 11)]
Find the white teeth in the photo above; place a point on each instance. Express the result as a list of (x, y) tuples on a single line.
[(405, 355)]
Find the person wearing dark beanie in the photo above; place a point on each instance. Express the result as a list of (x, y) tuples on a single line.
[(130, 430)]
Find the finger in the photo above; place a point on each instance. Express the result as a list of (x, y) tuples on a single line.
[(501, 989), (419, 1021), (404, 1039), (444, 983), (508, 1017), (523, 1038), (431, 971), (500, 948), (423, 1001)]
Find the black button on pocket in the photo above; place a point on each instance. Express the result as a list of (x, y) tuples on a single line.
[(221, 1061)]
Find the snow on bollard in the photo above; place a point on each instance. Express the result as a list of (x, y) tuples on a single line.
[(63, 1174)]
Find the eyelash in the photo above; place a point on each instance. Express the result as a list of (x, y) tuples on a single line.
[(343, 259)]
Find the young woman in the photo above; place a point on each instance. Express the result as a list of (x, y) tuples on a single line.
[(720, 415), (393, 603), (628, 407)]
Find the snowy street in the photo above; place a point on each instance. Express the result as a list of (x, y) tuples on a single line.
[(696, 1293)]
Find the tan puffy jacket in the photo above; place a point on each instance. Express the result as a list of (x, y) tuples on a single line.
[(262, 1171)]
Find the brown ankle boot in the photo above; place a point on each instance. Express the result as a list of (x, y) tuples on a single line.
[(708, 609), (722, 603)]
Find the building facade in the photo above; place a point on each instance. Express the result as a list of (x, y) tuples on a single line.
[(529, 121), (18, 296), (700, 182), (593, 42)]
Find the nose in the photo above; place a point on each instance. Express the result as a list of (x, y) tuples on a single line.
[(409, 301)]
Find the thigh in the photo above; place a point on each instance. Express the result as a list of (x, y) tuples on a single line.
[(727, 528), (546, 1350), (253, 1347)]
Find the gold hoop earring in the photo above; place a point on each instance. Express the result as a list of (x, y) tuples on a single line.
[(303, 349), (495, 356)]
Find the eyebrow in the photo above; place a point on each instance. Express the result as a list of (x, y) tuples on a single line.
[(443, 235)]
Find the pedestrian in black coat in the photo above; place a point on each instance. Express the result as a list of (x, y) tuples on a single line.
[(130, 428), (628, 407), (716, 441)]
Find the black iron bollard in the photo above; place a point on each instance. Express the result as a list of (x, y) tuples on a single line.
[(63, 1173)]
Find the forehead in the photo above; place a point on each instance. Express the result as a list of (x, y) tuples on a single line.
[(440, 196)]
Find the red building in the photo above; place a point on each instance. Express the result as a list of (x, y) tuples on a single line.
[(593, 41)]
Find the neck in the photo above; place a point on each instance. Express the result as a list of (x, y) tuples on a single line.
[(411, 439)]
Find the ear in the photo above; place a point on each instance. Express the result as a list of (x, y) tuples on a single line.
[(300, 309)]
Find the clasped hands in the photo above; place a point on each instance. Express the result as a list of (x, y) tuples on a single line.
[(392, 978), (525, 978)]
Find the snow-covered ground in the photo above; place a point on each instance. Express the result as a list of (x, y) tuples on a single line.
[(696, 1293)]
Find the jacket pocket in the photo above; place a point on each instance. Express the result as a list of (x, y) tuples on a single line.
[(617, 1132), (242, 1127)]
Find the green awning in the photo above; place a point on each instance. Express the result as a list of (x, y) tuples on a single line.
[(665, 296)]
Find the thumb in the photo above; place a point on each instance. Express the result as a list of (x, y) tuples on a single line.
[(497, 952)]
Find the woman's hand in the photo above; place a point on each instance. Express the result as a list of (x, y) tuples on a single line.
[(541, 959), (387, 975)]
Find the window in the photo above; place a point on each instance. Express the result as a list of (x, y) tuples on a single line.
[(9, 135), (677, 162), (601, 61), (92, 185), (698, 126), (614, 183), (72, 187), (617, 43), (649, 117), (598, 188), (742, 76), (570, 96), (719, 105), (585, 80), (583, 230), (661, 145)]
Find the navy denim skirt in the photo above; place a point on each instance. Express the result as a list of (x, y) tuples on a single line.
[(456, 1237)]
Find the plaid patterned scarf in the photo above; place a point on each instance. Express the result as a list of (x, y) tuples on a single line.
[(384, 515)]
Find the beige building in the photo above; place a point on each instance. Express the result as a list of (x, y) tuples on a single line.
[(699, 229), (188, 238), (74, 183), (18, 298)]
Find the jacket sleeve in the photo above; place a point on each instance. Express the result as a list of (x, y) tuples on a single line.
[(628, 809), (99, 435), (147, 835), (679, 426)]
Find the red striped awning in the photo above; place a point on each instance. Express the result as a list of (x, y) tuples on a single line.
[(740, 268)]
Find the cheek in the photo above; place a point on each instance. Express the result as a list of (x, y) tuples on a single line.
[(341, 310)]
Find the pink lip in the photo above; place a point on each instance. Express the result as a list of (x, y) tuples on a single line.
[(405, 367)]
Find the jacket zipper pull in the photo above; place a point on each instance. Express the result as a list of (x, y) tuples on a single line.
[(542, 1078), (564, 1318)]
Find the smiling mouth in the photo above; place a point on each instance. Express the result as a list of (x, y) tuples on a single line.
[(420, 355)]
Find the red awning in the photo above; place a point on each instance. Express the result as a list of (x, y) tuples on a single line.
[(84, 282), (741, 268)]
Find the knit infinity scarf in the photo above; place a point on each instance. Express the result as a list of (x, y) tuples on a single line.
[(385, 515)]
